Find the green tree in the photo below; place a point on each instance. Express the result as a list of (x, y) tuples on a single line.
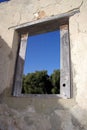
[(40, 82), (37, 83), (55, 79)]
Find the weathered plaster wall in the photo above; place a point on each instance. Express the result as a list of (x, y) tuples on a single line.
[(43, 113)]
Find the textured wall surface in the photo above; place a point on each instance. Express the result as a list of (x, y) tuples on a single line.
[(43, 113)]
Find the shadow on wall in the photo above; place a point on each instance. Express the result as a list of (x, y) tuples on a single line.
[(5, 56), (7, 65)]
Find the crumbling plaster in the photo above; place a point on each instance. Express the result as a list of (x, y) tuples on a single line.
[(43, 113)]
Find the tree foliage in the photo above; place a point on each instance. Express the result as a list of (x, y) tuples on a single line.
[(55, 80), (40, 82)]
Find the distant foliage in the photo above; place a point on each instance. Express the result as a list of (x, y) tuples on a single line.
[(40, 82), (55, 80)]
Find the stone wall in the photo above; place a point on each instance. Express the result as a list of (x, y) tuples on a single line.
[(26, 113)]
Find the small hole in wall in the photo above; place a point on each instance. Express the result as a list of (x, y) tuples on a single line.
[(64, 85)]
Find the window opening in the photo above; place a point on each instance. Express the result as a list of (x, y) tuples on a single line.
[(41, 74), (41, 27)]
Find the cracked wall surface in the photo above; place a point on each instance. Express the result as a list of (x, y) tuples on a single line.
[(46, 113)]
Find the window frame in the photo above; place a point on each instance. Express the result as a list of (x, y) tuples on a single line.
[(38, 27)]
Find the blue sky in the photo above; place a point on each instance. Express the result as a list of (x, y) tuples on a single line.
[(3, 0), (43, 52)]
